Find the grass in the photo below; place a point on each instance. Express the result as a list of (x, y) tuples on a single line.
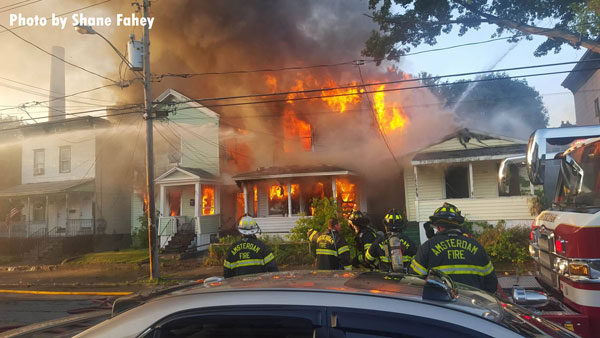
[(113, 257)]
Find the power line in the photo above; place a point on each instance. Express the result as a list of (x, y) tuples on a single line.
[(356, 86), (385, 140), (62, 14), (59, 58), (10, 9)]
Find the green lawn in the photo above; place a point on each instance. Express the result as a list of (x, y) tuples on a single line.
[(112, 257)]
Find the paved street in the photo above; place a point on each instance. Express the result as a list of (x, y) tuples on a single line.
[(18, 310)]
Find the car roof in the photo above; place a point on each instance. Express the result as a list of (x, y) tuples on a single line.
[(389, 285)]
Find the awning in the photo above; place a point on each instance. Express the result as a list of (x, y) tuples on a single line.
[(45, 188), (469, 155)]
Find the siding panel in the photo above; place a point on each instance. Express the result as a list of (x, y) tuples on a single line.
[(485, 183), (482, 209)]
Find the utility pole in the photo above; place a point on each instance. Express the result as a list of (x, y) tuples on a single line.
[(152, 228)]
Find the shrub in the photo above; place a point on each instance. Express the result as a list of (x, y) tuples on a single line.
[(537, 203), (139, 237), (507, 245), (325, 209)]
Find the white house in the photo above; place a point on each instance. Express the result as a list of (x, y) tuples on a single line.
[(584, 83), (462, 169)]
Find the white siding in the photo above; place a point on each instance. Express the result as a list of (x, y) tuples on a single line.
[(137, 211), (584, 101), (187, 194), (482, 209), (276, 225), (431, 182), (454, 144), (208, 224), (485, 182), (83, 145), (409, 194)]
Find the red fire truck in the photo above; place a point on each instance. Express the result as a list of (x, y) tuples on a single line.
[(565, 239)]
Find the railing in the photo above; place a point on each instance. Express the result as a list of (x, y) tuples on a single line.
[(39, 229)]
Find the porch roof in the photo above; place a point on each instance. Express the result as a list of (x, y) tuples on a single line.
[(48, 188), (468, 155), (185, 174), (293, 171)]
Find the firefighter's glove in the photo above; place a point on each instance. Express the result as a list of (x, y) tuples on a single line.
[(429, 232)]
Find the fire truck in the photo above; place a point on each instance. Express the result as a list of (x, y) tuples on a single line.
[(565, 238)]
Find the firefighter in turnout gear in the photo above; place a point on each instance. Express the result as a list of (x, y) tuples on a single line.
[(455, 254), (333, 252), (248, 255), (365, 235), (381, 250)]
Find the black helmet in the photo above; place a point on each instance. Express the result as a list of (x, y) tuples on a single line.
[(358, 219), (447, 214), (393, 221)]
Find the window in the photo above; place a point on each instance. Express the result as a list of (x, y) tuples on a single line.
[(39, 211), (65, 159), (38, 161), (257, 321), (457, 182), (278, 199), (597, 107), (208, 199)]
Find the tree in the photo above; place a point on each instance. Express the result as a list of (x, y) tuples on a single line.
[(411, 23), (507, 106)]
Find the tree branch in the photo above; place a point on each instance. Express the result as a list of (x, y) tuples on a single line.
[(551, 33)]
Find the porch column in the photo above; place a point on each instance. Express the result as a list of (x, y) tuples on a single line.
[(66, 211), (416, 172), (471, 193), (334, 192), (245, 188), (198, 199), (163, 196), (289, 190), (47, 214)]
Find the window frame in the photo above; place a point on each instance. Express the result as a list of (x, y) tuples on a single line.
[(61, 150), (39, 166), (453, 167)]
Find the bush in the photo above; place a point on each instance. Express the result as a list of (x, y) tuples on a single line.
[(325, 209), (139, 237), (506, 245)]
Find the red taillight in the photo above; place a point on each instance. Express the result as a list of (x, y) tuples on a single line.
[(531, 235), (558, 245)]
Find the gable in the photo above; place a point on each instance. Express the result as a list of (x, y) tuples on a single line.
[(454, 144)]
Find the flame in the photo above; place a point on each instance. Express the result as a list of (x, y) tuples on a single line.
[(340, 102), (208, 200), (389, 120), (294, 129), (255, 201), (240, 205), (145, 202), (279, 192), (346, 192), (271, 82)]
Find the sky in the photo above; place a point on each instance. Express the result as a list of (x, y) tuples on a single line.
[(23, 63)]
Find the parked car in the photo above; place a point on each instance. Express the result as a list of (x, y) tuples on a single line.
[(323, 304)]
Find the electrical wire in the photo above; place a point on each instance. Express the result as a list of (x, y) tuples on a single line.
[(10, 9), (59, 58)]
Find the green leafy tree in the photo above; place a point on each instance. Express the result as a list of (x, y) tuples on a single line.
[(501, 98), (325, 209), (409, 23)]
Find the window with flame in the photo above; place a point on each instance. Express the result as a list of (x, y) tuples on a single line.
[(347, 195), (278, 199), (208, 199), (239, 205)]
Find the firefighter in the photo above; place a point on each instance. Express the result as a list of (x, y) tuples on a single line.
[(381, 250), (333, 252), (248, 255), (365, 235), (449, 251)]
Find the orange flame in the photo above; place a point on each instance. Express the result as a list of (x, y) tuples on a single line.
[(342, 101), (240, 205), (389, 120), (295, 129), (279, 192), (255, 201), (346, 194), (208, 200)]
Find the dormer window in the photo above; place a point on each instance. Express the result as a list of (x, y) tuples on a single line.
[(39, 158)]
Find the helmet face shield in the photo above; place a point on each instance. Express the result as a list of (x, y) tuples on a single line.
[(248, 226)]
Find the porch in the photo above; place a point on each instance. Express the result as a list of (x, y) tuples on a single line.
[(278, 196), (188, 205), (52, 209)]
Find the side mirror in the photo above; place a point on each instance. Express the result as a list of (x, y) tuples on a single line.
[(536, 151), (504, 171), (529, 298)]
